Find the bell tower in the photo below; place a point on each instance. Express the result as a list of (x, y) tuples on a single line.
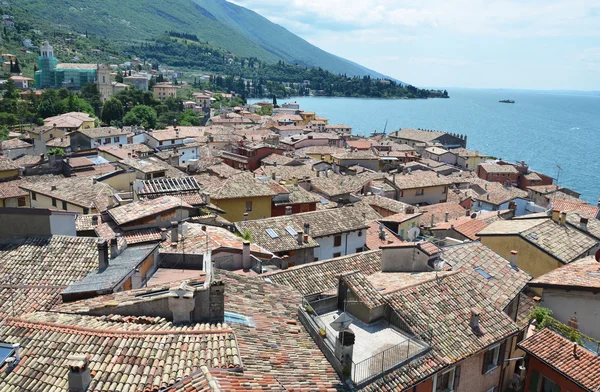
[(103, 81)]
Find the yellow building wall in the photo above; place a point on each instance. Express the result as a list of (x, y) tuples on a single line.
[(43, 201), (9, 173), (121, 182), (306, 118), (530, 259), (404, 227), (235, 208), (473, 162), (87, 124), (321, 157)]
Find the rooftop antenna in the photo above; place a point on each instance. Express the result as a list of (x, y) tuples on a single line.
[(385, 127), (558, 174)]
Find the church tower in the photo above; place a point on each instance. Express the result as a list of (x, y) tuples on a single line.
[(103, 81), (46, 65)]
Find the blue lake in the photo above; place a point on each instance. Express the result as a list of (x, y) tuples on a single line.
[(545, 129)]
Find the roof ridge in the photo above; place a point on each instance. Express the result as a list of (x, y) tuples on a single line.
[(320, 262), (445, 275), (36, 324)]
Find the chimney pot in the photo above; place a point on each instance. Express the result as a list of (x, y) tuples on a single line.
[(174, 232), (79, 372), (285, 262), (583, 222), (513, 257), (300, 237), (475, 317), (446, 216), (556, 215), (102, 254), (163, 234), (246, 261), (563, 218), (307, 228), (94, 220), (288, 210), (245, 216), (53, 187)]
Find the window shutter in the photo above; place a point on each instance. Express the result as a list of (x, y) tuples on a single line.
[(486, 361), (533, 381), (501, 354), (456, 377)]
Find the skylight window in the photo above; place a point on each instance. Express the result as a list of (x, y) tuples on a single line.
[(272, 233), (291, 230), (6, 350), (324, 201), (483, 273), (235, 318)]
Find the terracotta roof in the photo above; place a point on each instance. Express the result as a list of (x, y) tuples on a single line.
[(417, 135), (242, 185), (565, 357), (505, 281), (359, 155), (215, 239), (544, 189), (583, 209), (386, 203), (287, 173), (69, 120), (438, 212), (562, 242), (63, 142), (401, 217), (496, 168), (374, 240), (146, 165), (6, 164), (108, 340), (95, 133), (12, 188), (421, 179), (465, 226), (142, 209), (223, 170), (336, 185), (359, 144), (79, 162), (27, 160), (281, 226), (321, 276), (34, 271), (277, 159), (298, 196), (592, 228), (14, 144), (463, 152), (182, 133), (81, 191), (496, 193), (363, 289), (581, 274)]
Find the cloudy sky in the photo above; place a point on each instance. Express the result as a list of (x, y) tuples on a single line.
[(529, 44)]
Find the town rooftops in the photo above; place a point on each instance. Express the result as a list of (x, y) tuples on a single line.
[(560, 241), (322, 276), (501, 281), (492, 167), (581, 274), (95, 133), (565, 357), (467, 227), (287, 173), (464, 153), (385, 203), (359, 155), (337, 185), (422, 179), (277, 234), (6, 164), (242, 185), (167, 186), (33, 271), (80, 191), (436, 213), (14, 144), (417, 135), (9, 189), (177, 133), (119, 268), (146, 165), (69, 120), (544, 189), (297, 195), (436, 151), (496, 193), (132, 212)]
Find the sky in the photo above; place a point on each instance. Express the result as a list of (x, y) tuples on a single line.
[(529, 44)]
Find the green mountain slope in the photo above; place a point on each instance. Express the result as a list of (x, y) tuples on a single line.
[(222, 24)]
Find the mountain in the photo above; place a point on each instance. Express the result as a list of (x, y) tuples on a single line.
[(220, 23)]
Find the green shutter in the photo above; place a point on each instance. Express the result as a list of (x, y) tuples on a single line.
[(533, 381)]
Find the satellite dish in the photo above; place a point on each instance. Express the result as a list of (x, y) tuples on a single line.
[(413, 233), (438, 265), (474, 215), (597, 256), (342, 322)]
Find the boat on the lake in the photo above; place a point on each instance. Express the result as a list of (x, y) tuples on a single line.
[(507, 101)]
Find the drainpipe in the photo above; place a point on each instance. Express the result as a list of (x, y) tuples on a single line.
[(346, 247)]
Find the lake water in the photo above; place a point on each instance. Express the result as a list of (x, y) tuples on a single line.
[(545, 129)]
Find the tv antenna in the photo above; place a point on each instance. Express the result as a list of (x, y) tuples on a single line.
[(558, 174)]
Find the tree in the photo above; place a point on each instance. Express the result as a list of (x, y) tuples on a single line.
[(112, 111), (119, 77), (91, 94), (10, 90), (141, 115), (17, 66), (4, 132), (275, 101)]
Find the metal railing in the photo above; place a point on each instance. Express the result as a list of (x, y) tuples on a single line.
[(313, 308), (387, 359)]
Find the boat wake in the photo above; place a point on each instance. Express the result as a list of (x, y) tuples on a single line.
[(575, 129)]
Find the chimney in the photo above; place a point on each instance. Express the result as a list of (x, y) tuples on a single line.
[(468, 213), (475, 317), (79, 372), (246, 261), (94, 220), (245, 216), (53, 187), (583, 222), (102, 254), (114, 247), (305, 238), (174, 232), (300, 238), (556, 215), (94, 181), (273, 177), (513, 258), (409, 210), (285, 262), (446, 216), (307, 228), (163, 234), (394, 178), (563, 218), (181, 303), (288, 210)]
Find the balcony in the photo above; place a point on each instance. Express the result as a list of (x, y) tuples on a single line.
[(379, 347)]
